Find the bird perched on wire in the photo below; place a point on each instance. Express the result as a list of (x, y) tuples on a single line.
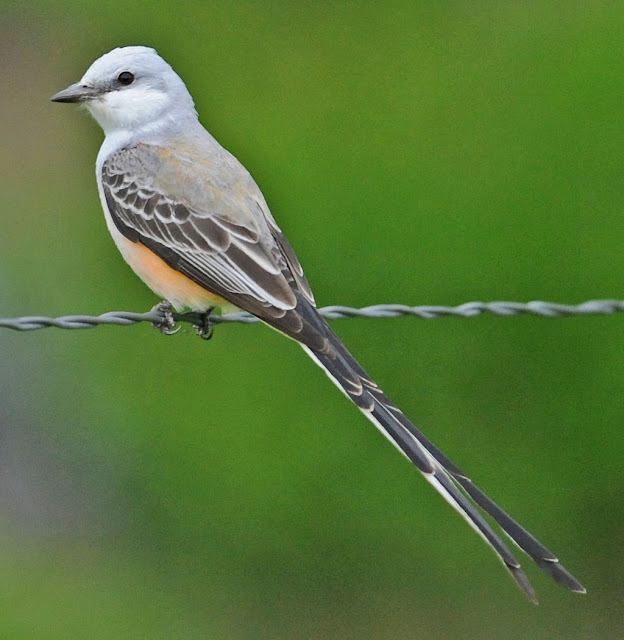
[(194, 226)]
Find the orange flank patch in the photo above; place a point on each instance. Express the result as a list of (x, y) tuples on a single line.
[(181, 291)]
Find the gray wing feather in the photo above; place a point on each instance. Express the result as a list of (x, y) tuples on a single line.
[(227, 234)]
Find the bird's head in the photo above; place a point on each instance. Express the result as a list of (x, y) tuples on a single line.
[(130, 88)]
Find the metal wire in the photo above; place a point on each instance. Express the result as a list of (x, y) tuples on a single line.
[(466, 310)]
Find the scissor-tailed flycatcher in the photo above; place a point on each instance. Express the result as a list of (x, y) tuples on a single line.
[(194, 226)]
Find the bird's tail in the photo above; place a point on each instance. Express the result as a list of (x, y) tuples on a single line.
[(454, 486)]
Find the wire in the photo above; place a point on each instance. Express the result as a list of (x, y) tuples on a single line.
[(466, 310)]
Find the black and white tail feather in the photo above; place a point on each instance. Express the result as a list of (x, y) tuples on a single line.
[(452, 484)]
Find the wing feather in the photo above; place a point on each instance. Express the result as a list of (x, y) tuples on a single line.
[(225, 255)]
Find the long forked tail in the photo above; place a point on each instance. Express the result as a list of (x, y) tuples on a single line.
[(454, 486)]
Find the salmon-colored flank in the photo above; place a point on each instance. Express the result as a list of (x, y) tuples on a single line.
[(172, 285)]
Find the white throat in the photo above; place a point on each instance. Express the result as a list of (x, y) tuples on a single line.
[(129, 109)]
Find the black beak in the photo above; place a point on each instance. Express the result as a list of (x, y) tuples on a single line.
[(75, 93)]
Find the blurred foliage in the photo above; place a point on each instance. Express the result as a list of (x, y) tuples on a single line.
[(415, 152)]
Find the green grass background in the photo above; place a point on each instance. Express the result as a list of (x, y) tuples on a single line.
[(414, 152)]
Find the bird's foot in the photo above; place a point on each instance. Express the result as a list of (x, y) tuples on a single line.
[(167, 325), (204, 328)]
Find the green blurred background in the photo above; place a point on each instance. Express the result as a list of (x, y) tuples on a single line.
[(413, 152)]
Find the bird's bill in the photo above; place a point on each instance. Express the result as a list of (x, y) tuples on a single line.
[(75, 93)]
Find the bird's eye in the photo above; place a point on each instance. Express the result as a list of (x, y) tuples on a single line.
[(125, 78)]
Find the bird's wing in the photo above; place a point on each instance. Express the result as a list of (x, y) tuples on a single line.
[(211, 223)]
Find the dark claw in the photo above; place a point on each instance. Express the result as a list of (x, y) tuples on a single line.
[(167, 325), (204, 329)]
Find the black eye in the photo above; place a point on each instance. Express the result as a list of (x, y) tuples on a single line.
[(125, 78)]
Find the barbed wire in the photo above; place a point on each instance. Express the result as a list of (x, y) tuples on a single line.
[(466, 310)]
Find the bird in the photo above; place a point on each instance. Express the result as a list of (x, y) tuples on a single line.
[(194, 226)]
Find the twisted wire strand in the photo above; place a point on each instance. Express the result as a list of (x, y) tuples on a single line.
[(466, 310)]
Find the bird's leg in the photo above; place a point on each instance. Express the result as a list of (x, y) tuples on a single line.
[(167, 324), (204, 328)]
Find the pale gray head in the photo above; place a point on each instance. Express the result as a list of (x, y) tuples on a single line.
[(131, 88)]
